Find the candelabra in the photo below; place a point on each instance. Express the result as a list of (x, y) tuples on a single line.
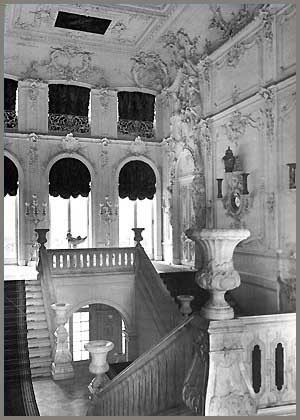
[(36, 213), (108, 213)]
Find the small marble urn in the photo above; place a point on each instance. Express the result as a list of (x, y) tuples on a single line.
[(61, 367), (185, 304), (218, 274), (138, 235), (98, 350)]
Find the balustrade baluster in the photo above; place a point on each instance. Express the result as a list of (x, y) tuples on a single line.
[(119, 258), (54, 261), (88, 259), (64, 260), (94, 263), (74, 260), (68, 261)]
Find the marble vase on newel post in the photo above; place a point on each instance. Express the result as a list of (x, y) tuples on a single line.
[(61, 367), (217, 274)]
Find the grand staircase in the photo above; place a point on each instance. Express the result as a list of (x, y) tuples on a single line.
[(38, 334)]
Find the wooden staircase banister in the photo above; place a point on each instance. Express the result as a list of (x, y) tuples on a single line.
[(153, 383), (164, 310)]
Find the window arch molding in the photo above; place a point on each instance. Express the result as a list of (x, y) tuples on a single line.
[(11, 76), (117, 169), (21, 200), (70, 83), (136, 89)]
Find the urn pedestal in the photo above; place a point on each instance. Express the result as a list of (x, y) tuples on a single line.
[(218, 274), (61, 367)]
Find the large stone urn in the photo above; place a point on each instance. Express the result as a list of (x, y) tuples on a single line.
[(218, 274), (98, 350)]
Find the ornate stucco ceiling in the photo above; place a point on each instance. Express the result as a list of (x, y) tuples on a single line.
[(133, 27)]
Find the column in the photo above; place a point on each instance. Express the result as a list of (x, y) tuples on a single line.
[(104, 113), (33, 106)]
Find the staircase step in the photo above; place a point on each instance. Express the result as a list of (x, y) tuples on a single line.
[(32, 309), (42, 371), (39, 352), (34, 302), (36, 325), (33, 282), (44, 361), (34, 295), (35, 316), (33, 288), (38, 343), (37, 334)]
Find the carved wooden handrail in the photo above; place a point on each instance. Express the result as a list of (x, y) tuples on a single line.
[(153, 383), (164, 310), (90, 260)]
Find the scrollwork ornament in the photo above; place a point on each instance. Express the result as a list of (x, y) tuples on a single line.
[(70, 144), (150, 71), (268, 112), (138, 147), (104, 143), (236, 127), (33, 152)]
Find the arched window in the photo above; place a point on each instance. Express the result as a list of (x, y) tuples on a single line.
[(136, 112), (68, 108), (69, 188), (11, 185), (10, 103), (137, 204)]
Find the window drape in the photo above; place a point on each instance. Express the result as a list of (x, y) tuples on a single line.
[(10, 92), (136, 106), (69, 177), (11, 177), (137, 181), (69, 99)]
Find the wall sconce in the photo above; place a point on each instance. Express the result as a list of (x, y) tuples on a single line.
[(219, 181), (292, 175), (245, 186), (35, 212)]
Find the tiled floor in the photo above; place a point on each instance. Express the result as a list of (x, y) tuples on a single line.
[(68, 397)]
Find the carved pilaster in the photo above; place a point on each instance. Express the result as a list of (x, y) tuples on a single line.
[(32, 105), (104, 105), (163, 114)]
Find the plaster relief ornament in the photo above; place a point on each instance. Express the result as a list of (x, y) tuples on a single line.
[(204, 127), (236, 127), (33, 152), (70, 144), (71, 63), (138, 147), (268, 112), (104, 143), (149, 71)]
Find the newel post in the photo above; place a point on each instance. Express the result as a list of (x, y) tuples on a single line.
[(61, 367), (217, 383)]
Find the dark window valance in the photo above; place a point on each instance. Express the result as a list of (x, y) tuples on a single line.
[(69, 177), (136, 106), (10, 177), (10, 92), (69, 99), (137, 181)]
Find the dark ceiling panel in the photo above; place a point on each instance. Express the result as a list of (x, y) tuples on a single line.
[(82, 23)]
